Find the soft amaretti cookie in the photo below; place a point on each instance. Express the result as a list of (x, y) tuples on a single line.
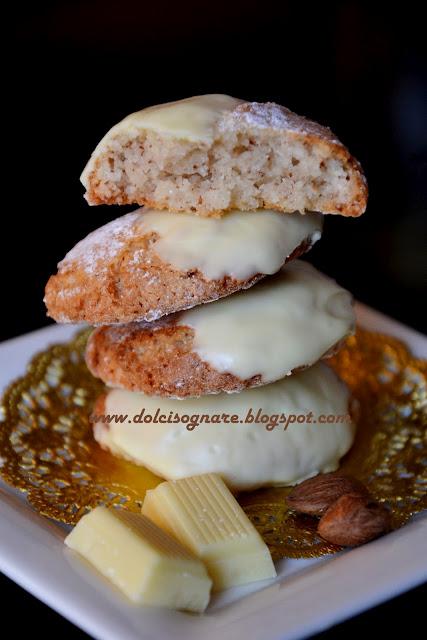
[(278, 434), (150, 263), (286, 323), (212, 153)]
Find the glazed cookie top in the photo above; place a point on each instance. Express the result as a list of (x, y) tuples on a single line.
[(245, 454), (193, 119), (150, 263), (287, 322)]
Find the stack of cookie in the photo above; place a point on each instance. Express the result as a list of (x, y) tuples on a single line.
[(229, 189)]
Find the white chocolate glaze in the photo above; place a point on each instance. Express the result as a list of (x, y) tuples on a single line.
[(245, 455), (193, 119), (238, 245), (288, 321), (189, 119)]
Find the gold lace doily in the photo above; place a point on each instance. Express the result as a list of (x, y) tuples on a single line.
[(47, 449)]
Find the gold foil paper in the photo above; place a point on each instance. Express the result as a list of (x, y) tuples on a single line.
[(47, 449)]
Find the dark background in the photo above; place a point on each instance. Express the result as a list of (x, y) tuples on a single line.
[(76, 68)]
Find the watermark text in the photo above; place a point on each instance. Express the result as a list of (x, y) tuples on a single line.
[(253, 416)]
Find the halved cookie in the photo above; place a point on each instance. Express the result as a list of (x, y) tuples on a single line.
[(284, 324), (148, 263), (214, 153)]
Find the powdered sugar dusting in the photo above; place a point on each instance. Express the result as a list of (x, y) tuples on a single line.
[(103, 244), (273, 116), (70, 293), (138, 256), (119, 332)]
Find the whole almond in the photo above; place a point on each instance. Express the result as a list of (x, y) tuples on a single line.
[(315, 495), (353, 520)]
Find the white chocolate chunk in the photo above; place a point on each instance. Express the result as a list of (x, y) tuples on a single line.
[(145, 563), (206, 518), (285, 322)]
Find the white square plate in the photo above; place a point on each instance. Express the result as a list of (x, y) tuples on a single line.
[(308, 595)]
